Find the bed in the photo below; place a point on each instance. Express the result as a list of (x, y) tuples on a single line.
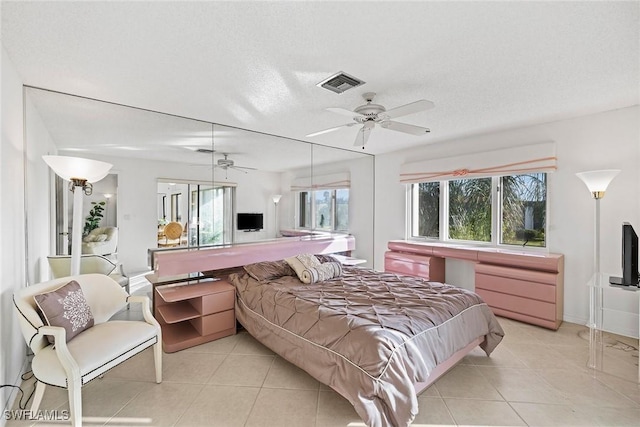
[(373, 337)]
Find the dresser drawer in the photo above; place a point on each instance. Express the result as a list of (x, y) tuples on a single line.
[(213, 323), (507, 285), (540, 309), (214, 303)]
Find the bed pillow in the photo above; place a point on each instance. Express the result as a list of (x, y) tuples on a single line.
[(309, 269), (301, 262), (66, 307), (268, 270), (326, 258), (323, 272)]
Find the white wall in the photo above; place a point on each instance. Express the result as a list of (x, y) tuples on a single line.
[(40, 197), (12, 244), (609, 140)]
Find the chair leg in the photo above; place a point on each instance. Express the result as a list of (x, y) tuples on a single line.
[(75, 403), (157, 359), (37, 396)]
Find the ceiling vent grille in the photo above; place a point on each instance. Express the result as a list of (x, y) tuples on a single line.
[(340, 82), (204, 150)]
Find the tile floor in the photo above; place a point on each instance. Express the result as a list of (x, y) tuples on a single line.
[(535, 377)]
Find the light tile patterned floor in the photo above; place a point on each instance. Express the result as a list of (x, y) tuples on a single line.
[(535, 377)]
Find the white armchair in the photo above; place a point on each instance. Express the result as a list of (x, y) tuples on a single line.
[(61, 267), (92, 352), (101, 241)]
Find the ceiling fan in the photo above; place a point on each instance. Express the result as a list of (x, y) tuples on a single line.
[(370, 114), (227, 163)]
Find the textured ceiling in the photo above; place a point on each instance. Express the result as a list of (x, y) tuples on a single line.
[(486, 65)]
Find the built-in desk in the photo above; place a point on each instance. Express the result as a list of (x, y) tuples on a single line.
[(525, 286)]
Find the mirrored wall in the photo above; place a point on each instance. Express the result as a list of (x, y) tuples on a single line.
[(221, 185)]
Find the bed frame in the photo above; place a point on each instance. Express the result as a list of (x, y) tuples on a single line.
[(445, 366)]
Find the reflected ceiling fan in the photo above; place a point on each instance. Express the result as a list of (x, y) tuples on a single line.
[(226, 164), (370, 114)]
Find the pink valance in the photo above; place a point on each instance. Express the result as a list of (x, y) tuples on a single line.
[(510, 161)]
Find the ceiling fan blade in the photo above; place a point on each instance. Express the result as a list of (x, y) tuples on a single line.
[(244, 167), (330, 129), (404, 127), (407, 109), (362, 137), (239, 168), (343, 112)]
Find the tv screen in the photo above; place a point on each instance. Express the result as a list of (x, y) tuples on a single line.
[(629, 255), (250, 221)]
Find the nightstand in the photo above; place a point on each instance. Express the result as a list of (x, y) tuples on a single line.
[(194, 313)]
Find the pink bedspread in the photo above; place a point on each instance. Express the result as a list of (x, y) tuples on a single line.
[(370, 336)]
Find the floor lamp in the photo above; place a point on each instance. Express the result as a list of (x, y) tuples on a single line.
[(276, 199), (597, 183), (80, 173)]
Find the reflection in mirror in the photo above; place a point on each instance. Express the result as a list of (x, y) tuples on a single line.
[(142, 146), (100, 210), (341, 197), (195, 214), (262, 168), (219, 174)]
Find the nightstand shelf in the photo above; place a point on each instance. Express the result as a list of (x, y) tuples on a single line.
[(178, 312), (192, 313)]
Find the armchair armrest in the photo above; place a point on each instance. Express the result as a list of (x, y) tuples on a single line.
[(146, 311), (67, 361)]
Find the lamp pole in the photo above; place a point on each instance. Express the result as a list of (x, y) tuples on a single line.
[(80, 173), (597, 183), (276, 199)]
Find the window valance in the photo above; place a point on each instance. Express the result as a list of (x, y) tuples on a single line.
[(198, 182), (539, 157), (322, 182)]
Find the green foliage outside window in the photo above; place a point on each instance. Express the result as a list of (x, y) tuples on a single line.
[(470, 209), (524, 200), (429, 209)]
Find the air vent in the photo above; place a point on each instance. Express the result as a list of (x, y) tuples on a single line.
[(340, 82), (204, 150)]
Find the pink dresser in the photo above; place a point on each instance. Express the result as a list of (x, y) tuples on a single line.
[(519, 285)]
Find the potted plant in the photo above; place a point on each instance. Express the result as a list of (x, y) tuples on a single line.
[(93, 220)]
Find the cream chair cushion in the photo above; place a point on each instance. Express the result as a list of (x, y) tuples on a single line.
[(95, 350)]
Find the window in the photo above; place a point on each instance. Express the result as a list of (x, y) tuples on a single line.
[(305, 210), (466, 209), (324, 209), (470, 209), (426, 217), (523, 201), (211, 219)]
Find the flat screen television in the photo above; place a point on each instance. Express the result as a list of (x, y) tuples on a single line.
[(629, 258), (250, 221)]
